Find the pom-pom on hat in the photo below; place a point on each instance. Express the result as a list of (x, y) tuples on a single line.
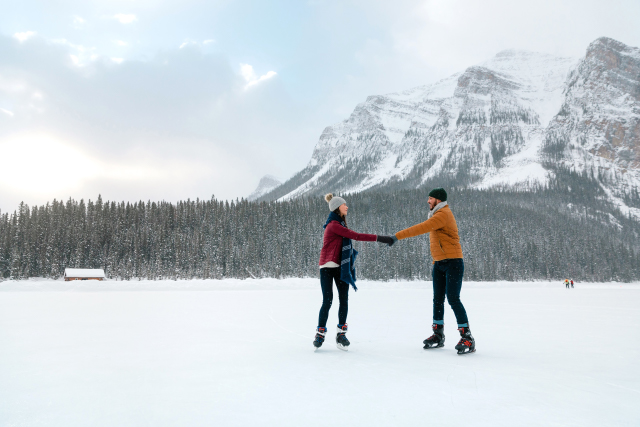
[(334, 201), (438, 193)]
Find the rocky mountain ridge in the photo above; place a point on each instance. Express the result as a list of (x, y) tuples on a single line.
[(513, 120), (597, 129)]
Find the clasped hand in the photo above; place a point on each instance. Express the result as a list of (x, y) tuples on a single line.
[(389, 240)]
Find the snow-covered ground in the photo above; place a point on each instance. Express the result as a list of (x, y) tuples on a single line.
[(239, 353)]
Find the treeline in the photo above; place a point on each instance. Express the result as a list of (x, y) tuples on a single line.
[(563, 230)]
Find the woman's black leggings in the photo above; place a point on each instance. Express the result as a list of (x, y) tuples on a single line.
[(327, 277)]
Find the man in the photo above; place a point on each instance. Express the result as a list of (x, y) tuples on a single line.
[(448, 268)]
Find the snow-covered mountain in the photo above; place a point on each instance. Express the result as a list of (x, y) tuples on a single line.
[(597, 129), (266, 184), (510, 120)]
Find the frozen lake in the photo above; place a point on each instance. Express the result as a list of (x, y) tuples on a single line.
[(239, 353)]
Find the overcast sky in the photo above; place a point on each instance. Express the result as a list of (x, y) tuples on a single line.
[(165, 99)]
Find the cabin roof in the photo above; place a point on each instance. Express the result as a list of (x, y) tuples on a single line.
[(84, 272)]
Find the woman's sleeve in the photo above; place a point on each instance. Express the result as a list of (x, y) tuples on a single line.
[(341, 231)]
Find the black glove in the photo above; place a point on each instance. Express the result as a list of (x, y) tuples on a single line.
[(387, 239)]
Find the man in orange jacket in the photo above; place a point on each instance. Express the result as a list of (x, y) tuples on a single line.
[(448, 269)]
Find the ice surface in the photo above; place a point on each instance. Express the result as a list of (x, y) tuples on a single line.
[(239, 353)]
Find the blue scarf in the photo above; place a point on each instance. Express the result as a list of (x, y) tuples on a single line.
[(348, 256)]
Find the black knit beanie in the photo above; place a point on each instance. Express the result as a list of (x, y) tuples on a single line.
[(438, 193)]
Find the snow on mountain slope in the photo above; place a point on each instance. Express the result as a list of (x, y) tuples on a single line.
[(542, 76), (470, 120), (513, 119)]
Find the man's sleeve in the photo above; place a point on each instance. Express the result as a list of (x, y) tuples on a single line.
[(438, 220)]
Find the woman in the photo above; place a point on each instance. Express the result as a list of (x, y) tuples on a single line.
[(336, 264)]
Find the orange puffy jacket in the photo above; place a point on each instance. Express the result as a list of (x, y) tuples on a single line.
[(444, 239)]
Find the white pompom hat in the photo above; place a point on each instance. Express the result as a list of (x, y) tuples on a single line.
[(334, 201)]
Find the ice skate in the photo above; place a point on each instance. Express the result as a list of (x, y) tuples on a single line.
[(341, 339), (466, 344), (320, 334), (437, 339)]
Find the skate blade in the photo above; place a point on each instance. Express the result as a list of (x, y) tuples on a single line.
[(466, 352), (426, 347), (342, 347)]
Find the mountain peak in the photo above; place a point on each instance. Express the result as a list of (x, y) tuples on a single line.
[(511, 53), (266, 184), (607, 43), (610, 52)]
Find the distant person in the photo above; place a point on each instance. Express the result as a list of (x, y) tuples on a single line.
[(571, 283), (448, 269), (337, 265), (566, 283)]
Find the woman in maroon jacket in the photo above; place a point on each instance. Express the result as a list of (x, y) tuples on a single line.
[(330, 263)]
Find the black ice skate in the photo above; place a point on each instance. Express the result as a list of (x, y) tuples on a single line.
[(466, 344), (320, 334), (341, 339), (437, 339)]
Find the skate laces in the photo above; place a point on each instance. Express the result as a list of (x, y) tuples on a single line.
[(342, 339), (437, 332), (464, 340)]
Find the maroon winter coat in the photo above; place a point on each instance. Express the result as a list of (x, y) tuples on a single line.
[(332, 244)]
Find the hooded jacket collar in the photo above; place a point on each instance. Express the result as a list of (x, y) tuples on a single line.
[(334, 217), (437, 207)]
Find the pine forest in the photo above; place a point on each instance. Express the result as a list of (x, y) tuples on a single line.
[(565, 229)]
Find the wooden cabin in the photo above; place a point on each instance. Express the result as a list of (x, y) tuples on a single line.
[(83, 274)]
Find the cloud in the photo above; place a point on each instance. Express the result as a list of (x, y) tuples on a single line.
[(81, 55), (181, 116), (7, 112), (251, 77), (125, 18), (24, 36), (12, 85), (117, 60), (83, 58), (121, 43), (78, 21), (53, 166), (59, 166), (187, 43)]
